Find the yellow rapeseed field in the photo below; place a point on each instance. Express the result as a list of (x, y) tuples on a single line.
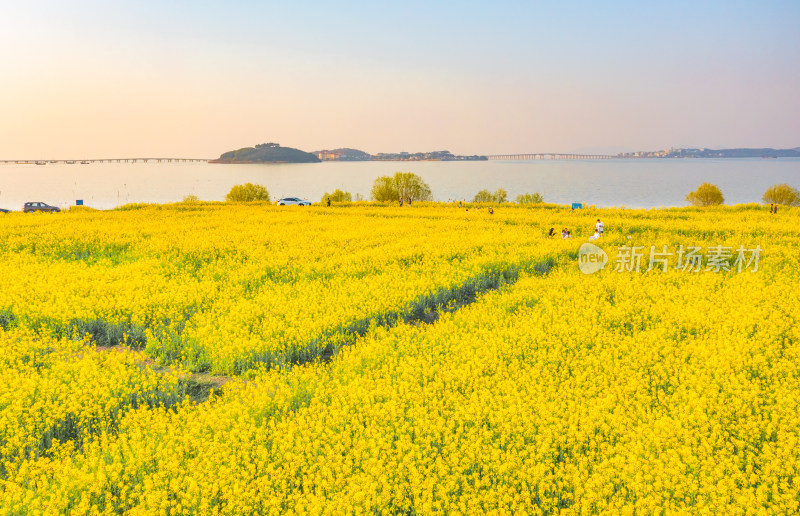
[(399, 361)]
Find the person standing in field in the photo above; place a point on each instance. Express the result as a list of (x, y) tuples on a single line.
[(599, 228), (329, 202)]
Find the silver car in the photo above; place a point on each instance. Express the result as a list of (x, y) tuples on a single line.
[(287, 201), (30, 207)]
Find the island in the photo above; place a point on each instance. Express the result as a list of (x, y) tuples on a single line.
[(267, 153)]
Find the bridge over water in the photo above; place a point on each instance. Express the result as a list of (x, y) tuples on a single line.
[(505, 157), (105, 160), (548, 155)]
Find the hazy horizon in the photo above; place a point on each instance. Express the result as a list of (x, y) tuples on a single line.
[(90, 79)]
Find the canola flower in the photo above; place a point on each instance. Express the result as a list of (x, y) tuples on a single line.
[(614, 392), (266, 283), (54, 392)]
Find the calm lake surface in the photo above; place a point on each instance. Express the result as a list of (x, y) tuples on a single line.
[(636, 183)]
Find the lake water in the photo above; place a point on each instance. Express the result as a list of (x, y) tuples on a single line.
[(637, 183)]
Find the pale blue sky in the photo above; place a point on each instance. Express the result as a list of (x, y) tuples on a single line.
[(180, 78)]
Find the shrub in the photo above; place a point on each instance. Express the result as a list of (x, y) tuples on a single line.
[(191, 198), (500, 195), (782, 194), (337, 196), (247, 193), (534, 198), (705, 195)]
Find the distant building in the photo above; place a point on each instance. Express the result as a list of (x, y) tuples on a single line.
[(329, 155)]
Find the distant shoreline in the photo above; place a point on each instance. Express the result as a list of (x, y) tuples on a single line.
[(354, 155)]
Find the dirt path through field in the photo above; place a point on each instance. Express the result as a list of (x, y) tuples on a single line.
[(198, 385)]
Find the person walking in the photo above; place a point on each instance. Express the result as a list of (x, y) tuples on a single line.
[(329, 202), (599, 229)]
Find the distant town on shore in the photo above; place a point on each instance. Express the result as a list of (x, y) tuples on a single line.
[(359, 155), (715, 153), (274, 153)]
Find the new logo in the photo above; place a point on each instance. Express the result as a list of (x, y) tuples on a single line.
[(591, 258)]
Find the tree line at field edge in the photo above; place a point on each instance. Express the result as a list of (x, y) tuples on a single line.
[(405, 186)]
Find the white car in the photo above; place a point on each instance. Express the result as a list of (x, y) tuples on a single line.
[(286, 201)]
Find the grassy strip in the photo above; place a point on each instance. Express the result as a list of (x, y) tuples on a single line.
[(78, 430), (91, 418)]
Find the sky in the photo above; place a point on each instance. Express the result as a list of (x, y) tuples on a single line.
[(193, 79)]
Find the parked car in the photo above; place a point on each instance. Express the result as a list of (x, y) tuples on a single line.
[(286, 201), (30, 207)]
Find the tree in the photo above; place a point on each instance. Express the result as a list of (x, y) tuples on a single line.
[(383, 190), (485, 195), (191, 198), (338, 196), (411, 186), (401, 186), (705, 195), (527, 198), (782, 194), (247, 193)]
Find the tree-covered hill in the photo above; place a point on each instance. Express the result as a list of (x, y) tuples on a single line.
[(267, 153)]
